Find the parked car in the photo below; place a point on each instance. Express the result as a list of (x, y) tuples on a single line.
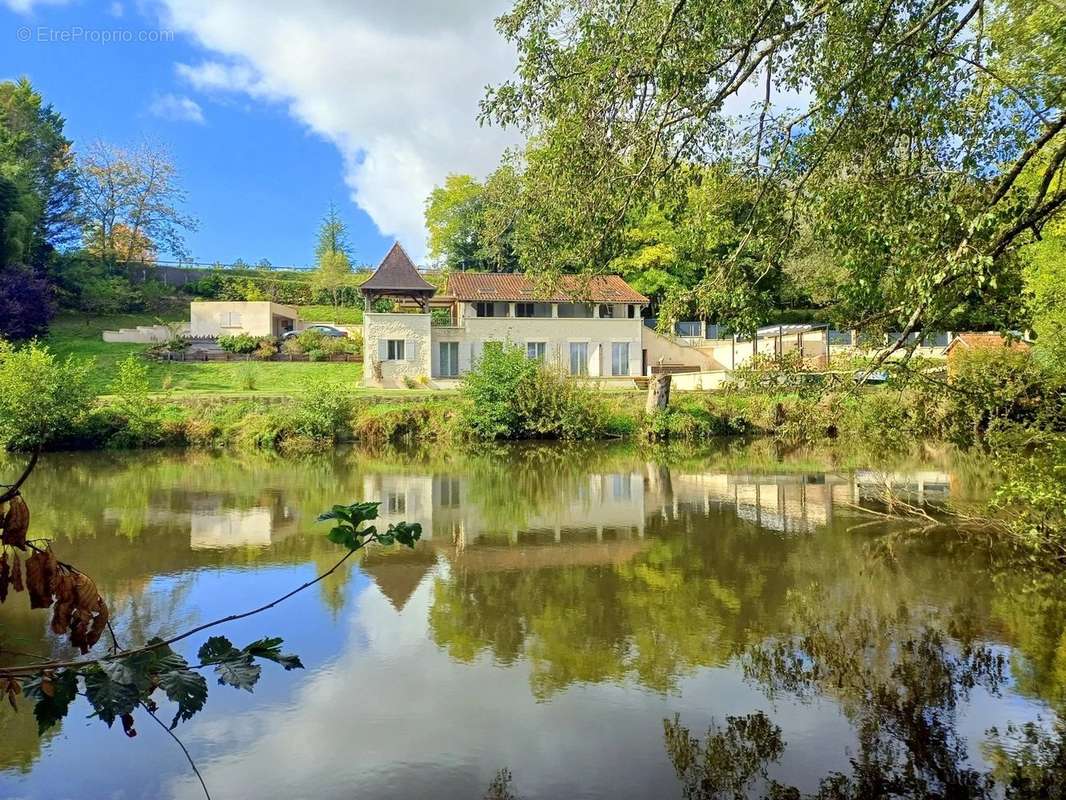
[(325, 330)]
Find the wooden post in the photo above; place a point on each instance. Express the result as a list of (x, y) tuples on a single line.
[(658, 393)]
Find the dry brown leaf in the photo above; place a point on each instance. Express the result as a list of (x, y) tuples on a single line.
[(127, 725), (48, 688), (85, 594), (61, 616), (16, 523), (40, 575), (63, 587), (16, 573), (79, 630), (96, 630)]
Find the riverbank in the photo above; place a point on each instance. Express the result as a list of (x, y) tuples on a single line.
[(1002, 404)]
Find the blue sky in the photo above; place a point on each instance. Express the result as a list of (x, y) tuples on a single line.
[(273, 109)]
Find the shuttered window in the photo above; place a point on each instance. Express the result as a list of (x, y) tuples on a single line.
[(395, 350)]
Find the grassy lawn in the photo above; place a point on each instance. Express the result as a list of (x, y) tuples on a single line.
[(78, 336)]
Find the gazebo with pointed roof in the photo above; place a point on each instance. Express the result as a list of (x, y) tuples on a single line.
[(397, 276)]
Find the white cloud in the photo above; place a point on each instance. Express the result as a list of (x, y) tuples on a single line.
[(394, 85), (177, 108), (116, 10), (26, 6)]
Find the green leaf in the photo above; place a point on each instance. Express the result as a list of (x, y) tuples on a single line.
[(270, 649), (406, 533), (354, 514), (340, 535), (216, 649), (109, 698), (238, 672), (186, 688), (50, 708), (134, 670)]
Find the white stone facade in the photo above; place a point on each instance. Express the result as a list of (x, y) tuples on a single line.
[(606, 346), (389, 364), (210, 319)]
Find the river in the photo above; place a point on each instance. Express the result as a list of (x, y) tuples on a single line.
[(580, 616)]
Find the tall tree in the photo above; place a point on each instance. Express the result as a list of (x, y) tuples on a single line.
[(471, 223), (332, 236), (901, 164), (39, 160), (455, 216), (333, 268), (131, 202)]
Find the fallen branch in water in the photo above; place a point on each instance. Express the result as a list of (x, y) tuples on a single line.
[(897, 509)]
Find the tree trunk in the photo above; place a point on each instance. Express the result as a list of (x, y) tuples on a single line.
[(658, 393)]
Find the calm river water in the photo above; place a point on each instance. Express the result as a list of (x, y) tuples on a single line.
[(579, 616)]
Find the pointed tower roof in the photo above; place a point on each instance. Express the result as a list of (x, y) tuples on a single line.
[(397, 273), (398, 573)]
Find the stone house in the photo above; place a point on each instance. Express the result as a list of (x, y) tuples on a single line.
[(588, 327)]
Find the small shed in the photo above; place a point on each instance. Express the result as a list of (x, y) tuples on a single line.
[(398, 277), (211, 319)]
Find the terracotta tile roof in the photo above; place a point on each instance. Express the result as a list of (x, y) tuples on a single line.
[(507, 286), (397, 273), (984, 341)]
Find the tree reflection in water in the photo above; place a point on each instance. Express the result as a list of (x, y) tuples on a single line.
[(901, 680)]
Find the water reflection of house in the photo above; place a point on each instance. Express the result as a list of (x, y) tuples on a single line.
[(790, 502), (597, 505), (398, 572), (593, 521), (214, 521), (786, 503), (599, 518)]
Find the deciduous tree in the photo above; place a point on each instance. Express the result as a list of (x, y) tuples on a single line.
[(890, 138), (131, 203)]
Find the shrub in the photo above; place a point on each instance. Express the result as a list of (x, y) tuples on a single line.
[(380, 424), (316, 355), (26, 305), (323, 412), (514, 397), (135, 406), (991, 387), (337, 346), (1031, 498), (40, 396), (292, 346), (266, 349), (238, 343), (410, 382), (310, 340), (690, 419), (176, 344), (355, 342)]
